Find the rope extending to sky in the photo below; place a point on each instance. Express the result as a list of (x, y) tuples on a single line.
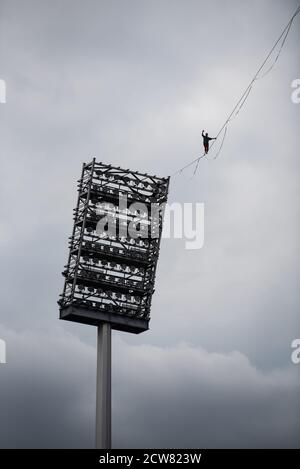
[(237, 108)]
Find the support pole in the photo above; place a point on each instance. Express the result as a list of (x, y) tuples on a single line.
[(103, 393)]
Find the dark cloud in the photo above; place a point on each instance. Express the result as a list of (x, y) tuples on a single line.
[(175, 397), (47, 391), (186, 397), (133, 83)]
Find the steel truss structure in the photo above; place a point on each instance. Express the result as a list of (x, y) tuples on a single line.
[(110, 273)]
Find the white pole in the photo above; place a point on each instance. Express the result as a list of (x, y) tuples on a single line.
[(103, 392)]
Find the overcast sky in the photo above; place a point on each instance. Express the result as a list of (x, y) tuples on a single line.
[(133, 83)]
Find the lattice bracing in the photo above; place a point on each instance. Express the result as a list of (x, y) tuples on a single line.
[(114, 247)]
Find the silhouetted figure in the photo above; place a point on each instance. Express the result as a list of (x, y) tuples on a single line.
[(206, 140)]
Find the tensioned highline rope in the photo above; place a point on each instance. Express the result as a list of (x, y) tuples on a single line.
[(283, 36)]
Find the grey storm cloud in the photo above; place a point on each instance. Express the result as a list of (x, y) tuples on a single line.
[(47, 397), (133, 83), (186, 397), (177, 397)]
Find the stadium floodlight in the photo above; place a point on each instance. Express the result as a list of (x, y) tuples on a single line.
[(110, 274)]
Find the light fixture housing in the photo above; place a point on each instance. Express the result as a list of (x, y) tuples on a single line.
[(110, 277)]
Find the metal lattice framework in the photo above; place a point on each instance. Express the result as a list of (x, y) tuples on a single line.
[(110, 274)]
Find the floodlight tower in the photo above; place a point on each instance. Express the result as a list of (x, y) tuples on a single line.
[(110, 274)]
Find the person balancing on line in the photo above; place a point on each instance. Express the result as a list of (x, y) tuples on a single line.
[(206, 140)]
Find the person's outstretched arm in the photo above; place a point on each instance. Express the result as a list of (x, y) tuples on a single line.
[(202, 133)]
